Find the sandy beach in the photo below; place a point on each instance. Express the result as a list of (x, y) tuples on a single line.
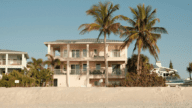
[(136, 97)]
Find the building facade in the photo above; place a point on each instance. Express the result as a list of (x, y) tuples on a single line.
[(12, 60), (163, 71), (83, 61)]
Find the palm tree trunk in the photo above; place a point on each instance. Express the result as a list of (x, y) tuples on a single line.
[(52, 75), (190, 75), (138, 60), (106, 63)]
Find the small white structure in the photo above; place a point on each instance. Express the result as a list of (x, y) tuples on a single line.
[(162, 71), (12, 60)]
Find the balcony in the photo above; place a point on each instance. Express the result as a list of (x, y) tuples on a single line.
[(60, 72), (93, 72), (14, 62), (3, 62)]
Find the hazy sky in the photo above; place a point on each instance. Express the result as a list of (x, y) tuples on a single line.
[(26, 24)]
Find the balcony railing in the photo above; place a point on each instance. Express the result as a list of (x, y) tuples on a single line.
[(3, 62), (60, 72), (78, 71), (114, 72), (14, 62)]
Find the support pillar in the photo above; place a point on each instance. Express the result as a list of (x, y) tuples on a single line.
[(23, 60), (68, 66), (87, 79), (87, 50), (49, 49), (7, 59)]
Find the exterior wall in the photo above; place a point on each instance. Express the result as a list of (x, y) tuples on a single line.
[(77, 81), (61, 80)]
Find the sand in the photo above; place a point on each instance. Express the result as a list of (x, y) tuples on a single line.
[(120, 97)]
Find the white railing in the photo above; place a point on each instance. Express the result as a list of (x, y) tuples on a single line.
[(14, 62), (60, 72), (111, 72), (2, 62), (78, 71)]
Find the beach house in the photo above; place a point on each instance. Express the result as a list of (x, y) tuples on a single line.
[(83, 61), (12, 60), (163, 71)]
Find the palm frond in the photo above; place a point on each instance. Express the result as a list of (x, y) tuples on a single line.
[(159, 30)]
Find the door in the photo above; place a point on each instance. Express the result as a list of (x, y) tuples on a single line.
[(116, 69), (55, 82), (85, 68), (75, 69)]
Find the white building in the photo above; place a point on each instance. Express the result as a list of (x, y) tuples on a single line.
[(12, 60), (162, 71), (83, 61)]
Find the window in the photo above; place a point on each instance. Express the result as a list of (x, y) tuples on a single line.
[(75, 53), (98, 66), (84, 67), (95, 51), (75, 69), (84, 53), (116, 53), (65, 54)]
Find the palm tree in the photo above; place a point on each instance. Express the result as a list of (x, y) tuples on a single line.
[(105, 23), (53, 62), (35, 63), (189, 69), (143, 31)]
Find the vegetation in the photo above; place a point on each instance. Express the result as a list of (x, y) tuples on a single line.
[(37, 75), (132, 63), (189, 69), (170, 65), (52, 62), (143, 31), (105, 23), (146, 79)]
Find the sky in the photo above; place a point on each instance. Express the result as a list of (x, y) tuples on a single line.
[(26, 24)]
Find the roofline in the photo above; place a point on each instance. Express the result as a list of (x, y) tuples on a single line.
[(16, 53), (78, 42)]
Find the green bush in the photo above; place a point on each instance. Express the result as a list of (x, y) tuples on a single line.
[(143, 80)]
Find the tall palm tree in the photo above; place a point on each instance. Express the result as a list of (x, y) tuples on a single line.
[(189, 69), (53, 62), (143, 31), (105, 23)]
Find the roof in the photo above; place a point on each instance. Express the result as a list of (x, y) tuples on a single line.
[(13, 51), (5, 50), (89, 40)]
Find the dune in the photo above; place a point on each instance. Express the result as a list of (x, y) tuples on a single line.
[(96, 97)]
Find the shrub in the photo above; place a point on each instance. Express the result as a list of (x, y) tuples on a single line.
[(144, 80)]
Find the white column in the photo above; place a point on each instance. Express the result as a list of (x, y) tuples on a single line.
[(68, 72), (6, 70), (68, 66), (68, 50), (49, 49), (7, 59), (87, 50), (87, 82), (23, 60)]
